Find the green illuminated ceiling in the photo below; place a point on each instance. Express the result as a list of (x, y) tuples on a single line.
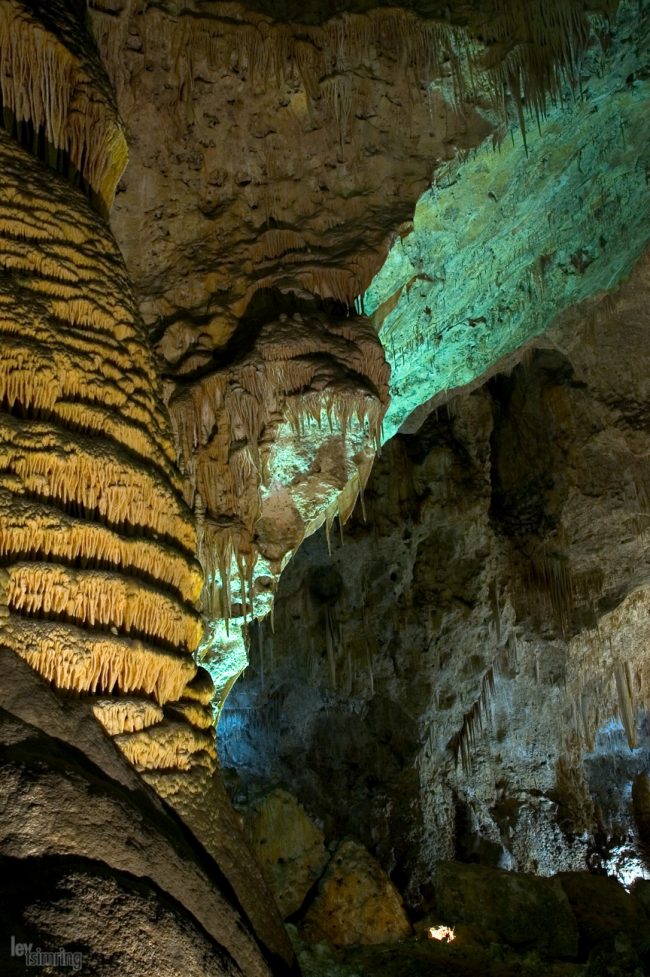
[(506, 240)]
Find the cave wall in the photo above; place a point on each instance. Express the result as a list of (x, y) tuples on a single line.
[(276, 158), (466, 675)]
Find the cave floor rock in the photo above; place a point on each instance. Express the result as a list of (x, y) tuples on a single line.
[(420, 958)]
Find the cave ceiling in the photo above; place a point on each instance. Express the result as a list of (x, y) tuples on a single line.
[(314, 187)]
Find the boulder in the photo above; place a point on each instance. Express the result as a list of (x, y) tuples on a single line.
[(356, 902), (641, 894), (524, 911), (609, 919), (288, 845)]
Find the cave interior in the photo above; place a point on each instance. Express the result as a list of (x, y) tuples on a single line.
[(325, 488)]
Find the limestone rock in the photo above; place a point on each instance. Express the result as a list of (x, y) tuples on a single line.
[(489, 639), (356, 902), (524, 911), (288, 846)]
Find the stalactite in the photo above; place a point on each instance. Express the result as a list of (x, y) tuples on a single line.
[(33, 528), (299, 370), (57, 83), (464, 741), (331, 645), (625, 693), (51, 463), (548, 580), (589, 722)]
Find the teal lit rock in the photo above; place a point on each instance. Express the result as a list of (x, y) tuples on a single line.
[(509, 238)]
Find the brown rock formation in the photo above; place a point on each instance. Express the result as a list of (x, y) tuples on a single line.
[(93, 863), (522, 911), (270, 154)]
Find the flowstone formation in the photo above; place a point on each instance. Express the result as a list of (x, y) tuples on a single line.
[(100, 581)]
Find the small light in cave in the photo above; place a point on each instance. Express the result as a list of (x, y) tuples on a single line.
[(444, 934)]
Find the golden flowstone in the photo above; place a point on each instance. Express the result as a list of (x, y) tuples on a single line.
[(99, 580), (54, 82)]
